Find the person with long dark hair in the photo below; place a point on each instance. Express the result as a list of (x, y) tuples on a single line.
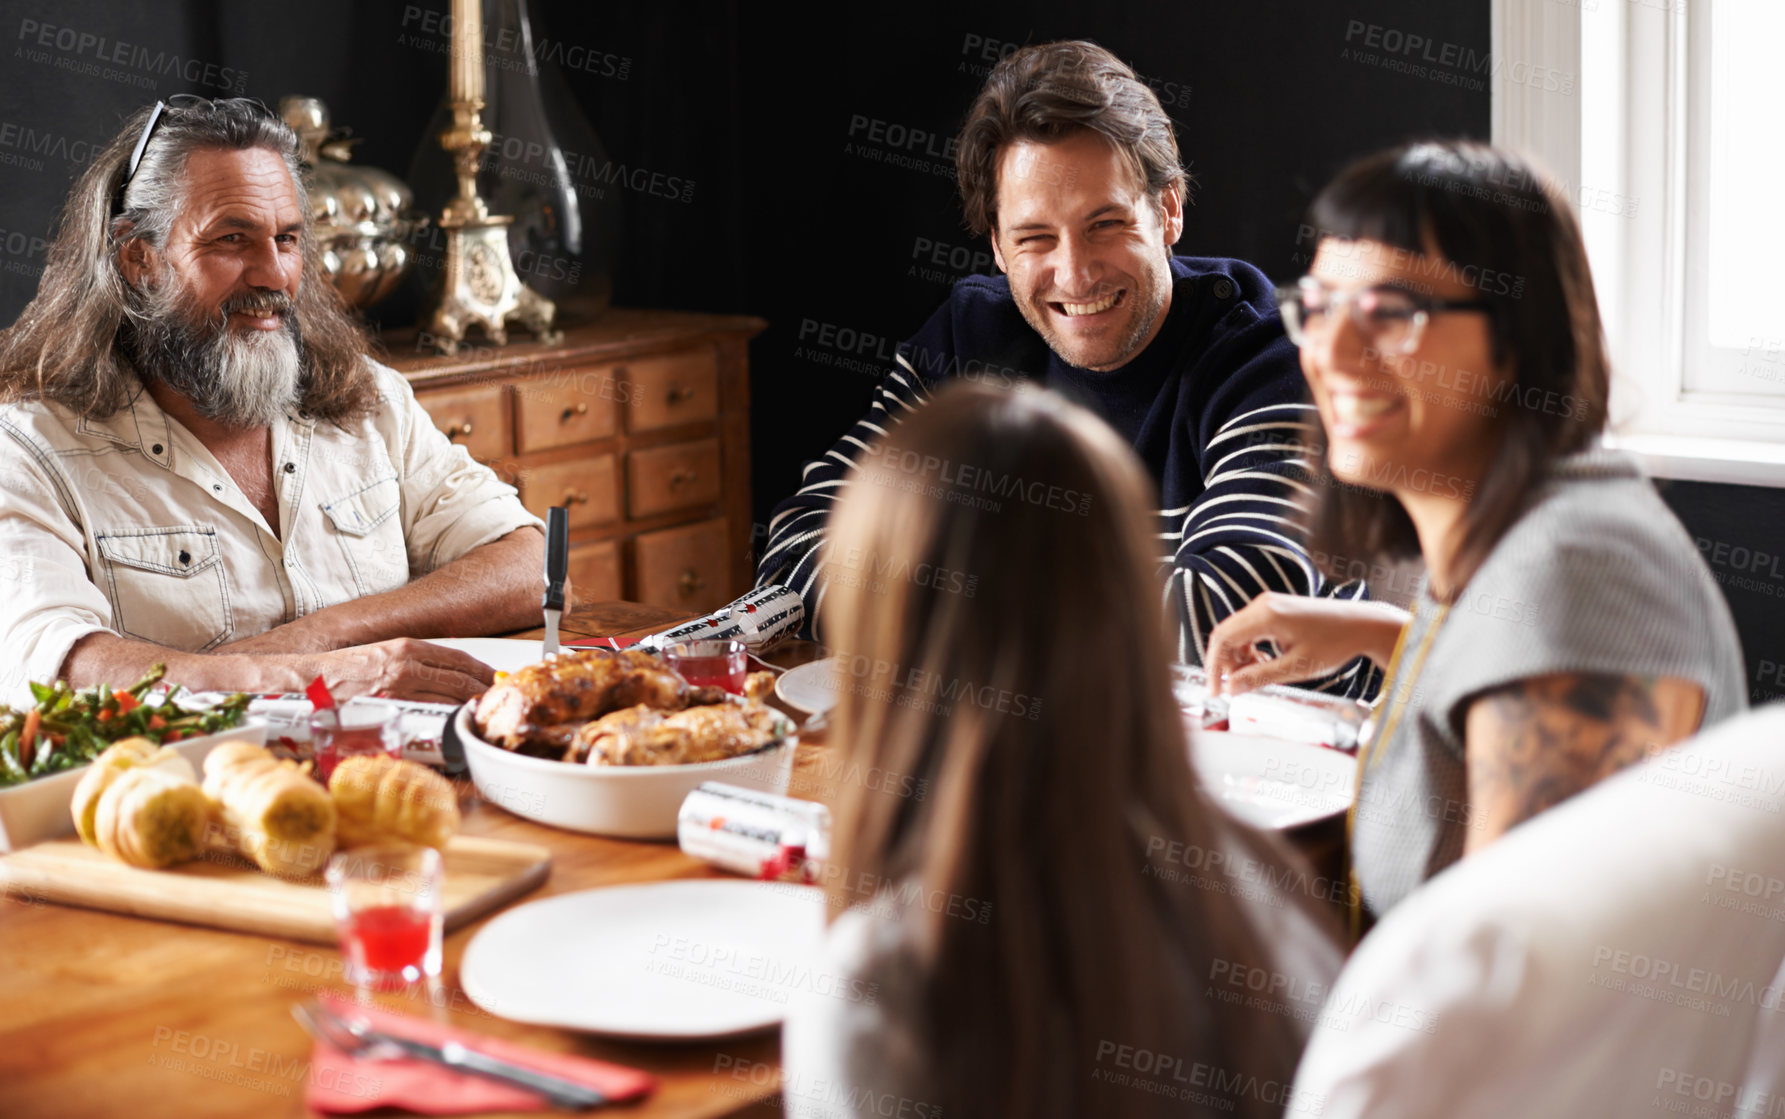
[(1565, 625), (1049, 914)]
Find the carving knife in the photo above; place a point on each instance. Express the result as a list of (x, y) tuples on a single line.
[(557, 560)]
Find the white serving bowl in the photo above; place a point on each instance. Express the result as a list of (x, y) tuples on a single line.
[(627, 801), (38, 810)]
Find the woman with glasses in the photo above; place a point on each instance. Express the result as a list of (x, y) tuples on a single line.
[(1565, 625)]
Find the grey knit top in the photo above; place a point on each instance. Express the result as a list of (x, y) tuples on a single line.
[(1596, 576)]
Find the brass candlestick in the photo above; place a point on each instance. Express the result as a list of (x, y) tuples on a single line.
[(481, 287)]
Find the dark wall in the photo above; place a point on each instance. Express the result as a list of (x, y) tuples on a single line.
[(1740, 532), (823, 197)]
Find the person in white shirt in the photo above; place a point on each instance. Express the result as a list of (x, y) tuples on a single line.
[(1621, 954), (202, 465)]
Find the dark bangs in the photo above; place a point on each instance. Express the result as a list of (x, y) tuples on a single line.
[(1369, 202), (1502, 228)]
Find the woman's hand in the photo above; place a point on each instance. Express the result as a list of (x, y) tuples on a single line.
[(1314, 636)]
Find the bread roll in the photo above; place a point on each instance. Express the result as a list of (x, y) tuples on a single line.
[(151, 817), (379, 798), (120, 756), (271, 811)]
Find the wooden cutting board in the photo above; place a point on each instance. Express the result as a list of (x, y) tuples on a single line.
[(229, 893)]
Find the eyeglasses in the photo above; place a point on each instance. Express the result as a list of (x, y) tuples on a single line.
[(185, 102), (1392, 318)]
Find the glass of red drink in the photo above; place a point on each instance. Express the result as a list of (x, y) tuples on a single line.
[(387, 913), (719, 663), (360, 726)]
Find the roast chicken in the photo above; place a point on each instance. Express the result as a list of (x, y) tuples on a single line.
[(541, 709), (541, 706), (646, 736)]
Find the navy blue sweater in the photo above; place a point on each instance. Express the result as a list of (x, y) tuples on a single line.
[(1213, 406)]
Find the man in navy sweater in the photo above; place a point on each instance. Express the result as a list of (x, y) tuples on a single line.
[(1068, 163)]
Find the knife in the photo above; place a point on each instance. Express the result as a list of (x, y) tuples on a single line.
[(564, 1093), (557, 559)]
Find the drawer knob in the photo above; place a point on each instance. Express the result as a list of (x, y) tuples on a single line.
[(572, 413), (690, 582), (681, 478), (677, 394), (459, 429), (576, 497)]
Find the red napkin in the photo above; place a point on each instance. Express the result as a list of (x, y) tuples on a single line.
[(320, 696), (341, 1083)]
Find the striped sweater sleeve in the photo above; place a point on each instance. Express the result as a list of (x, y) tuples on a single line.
[(791, 555), (1241, 536)]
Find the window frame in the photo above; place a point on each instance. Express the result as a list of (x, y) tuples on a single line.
[(1643, 56)]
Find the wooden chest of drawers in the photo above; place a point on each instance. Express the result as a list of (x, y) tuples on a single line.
[(638, 422)]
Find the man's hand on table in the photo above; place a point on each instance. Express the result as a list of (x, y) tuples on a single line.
[(402, 667), (312, 633), (357, 647), (490, 589)]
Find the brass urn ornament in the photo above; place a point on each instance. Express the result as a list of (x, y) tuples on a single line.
[(361, 216), (480, 286)]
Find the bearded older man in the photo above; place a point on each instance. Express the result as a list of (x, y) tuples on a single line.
[(200, 463)]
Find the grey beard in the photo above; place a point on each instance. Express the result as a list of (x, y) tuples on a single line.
[(240, 381)]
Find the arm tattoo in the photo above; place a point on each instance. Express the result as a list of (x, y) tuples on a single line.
[(1534, 743)]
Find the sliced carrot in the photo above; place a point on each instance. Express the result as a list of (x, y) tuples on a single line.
[(126, 702), (28, 736), (156, 722), (171, 736)]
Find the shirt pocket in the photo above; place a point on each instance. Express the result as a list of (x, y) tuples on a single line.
[(168, 585), (369, 532)]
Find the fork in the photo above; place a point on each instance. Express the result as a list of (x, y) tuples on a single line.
[(361, 1040)]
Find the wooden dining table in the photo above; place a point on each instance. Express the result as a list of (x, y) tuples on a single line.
[(110, 1015), (103, 1014)]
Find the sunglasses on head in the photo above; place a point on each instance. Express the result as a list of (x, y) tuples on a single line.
[(184, 102)]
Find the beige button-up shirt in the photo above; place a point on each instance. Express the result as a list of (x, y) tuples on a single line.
[(129, 525)]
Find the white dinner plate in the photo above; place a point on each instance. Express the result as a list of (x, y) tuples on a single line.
[(811, 687), (664, 961), (504, 654), (1272, 783)]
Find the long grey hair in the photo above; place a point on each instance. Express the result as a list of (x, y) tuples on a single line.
[(71, 344)]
